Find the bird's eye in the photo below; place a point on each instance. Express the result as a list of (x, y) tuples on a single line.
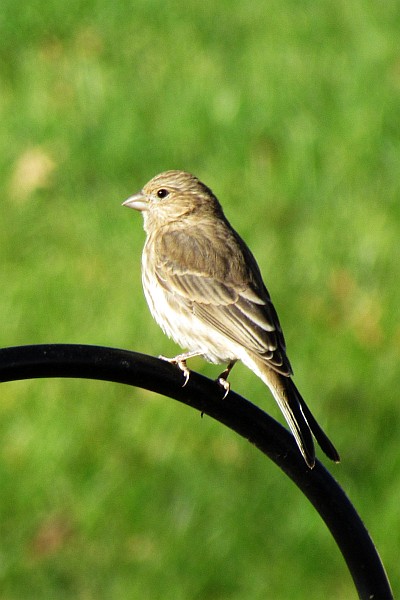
[(162, 193)]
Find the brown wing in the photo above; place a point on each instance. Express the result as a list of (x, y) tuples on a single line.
[(219, 280)]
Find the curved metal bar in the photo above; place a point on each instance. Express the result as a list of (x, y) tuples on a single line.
[(131, 368)]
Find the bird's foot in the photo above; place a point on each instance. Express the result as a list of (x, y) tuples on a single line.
[(224, 383), (222, 379), (180, 362)]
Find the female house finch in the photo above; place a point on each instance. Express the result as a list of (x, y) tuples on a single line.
[(205, 290)]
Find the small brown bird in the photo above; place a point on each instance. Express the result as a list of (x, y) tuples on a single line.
[(205, 290)]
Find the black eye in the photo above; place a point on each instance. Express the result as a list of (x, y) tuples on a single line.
[(162, 193)]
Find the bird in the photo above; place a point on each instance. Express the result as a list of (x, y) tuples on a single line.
[(205, 290)]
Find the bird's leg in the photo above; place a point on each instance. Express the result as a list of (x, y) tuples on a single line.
[(180, 361), (223, 378)]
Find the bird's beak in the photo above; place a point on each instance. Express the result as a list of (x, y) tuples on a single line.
[(137, 201)]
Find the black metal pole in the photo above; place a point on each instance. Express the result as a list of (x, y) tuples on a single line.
[(131, 368)]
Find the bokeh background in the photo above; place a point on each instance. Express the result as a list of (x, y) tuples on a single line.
[(290, 112)]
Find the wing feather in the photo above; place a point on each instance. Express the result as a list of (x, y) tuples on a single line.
[(220, 282)]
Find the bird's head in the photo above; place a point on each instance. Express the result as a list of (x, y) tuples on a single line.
[(171, 196)]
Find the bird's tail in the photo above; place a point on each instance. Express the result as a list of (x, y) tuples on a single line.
[(296, 412)]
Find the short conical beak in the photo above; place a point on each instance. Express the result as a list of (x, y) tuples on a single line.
[(137, 201)]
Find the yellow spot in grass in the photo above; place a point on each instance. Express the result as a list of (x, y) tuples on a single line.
[(32, 171)]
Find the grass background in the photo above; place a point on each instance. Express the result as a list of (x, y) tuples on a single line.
[(290, 112)]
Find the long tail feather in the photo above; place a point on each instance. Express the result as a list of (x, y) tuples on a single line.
[(296, 412), (321, 437)]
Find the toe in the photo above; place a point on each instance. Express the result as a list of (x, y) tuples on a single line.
[(225, 385)]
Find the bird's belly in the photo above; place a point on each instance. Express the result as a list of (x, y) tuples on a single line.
[(177, 320)]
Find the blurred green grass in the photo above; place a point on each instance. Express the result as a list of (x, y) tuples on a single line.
[(290, 112)]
